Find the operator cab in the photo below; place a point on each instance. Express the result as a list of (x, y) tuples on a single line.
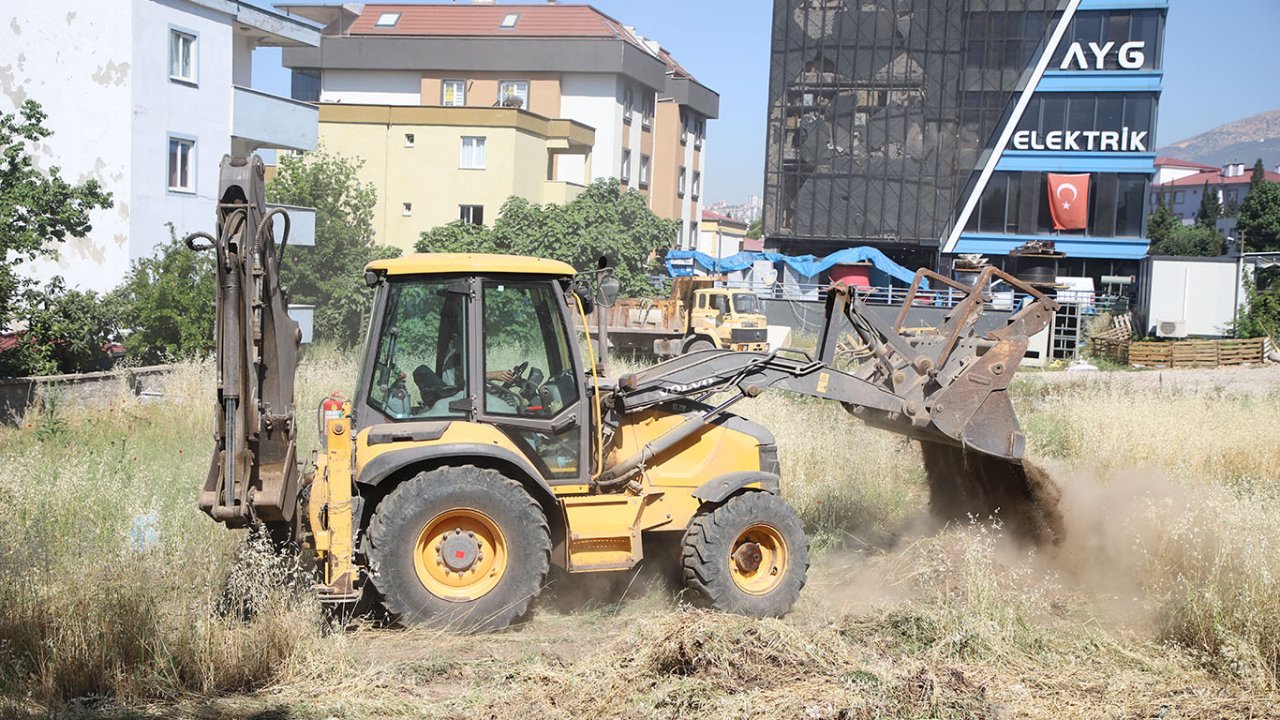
[(476, 338)]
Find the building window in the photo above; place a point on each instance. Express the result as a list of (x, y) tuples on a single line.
[(680, 182), (686, 126), (182, 160), (647, 119), (1179, 197), (182, 56), (409, 139), (628, 103), (510, 21), (699, 132), (305, 85), (387, 20), (626, 165), (471, 214), (472, 153), (408, 210), (644, 171), (453, 93), (514, 93), (697, 184)]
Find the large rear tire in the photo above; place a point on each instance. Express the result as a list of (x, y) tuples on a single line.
[(459, 548), (748, 556)]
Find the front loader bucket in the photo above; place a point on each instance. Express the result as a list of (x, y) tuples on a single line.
[(952, 381)]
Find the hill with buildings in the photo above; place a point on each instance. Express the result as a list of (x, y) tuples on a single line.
[(1241, 141)]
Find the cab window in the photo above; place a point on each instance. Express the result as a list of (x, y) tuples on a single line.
[(746, 303), (527, 365), (420, 359), (721, 303)]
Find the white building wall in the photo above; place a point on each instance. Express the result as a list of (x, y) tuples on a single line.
[(164, 107), (77, 64), (1201, 292), (594, 99), (382, 87)]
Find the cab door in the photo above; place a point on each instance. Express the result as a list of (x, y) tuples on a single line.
[(531, 387)]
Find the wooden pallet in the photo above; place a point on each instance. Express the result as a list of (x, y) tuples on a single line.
[(1197, 353)]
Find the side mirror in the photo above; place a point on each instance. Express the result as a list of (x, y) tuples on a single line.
[(583, 291), (609, 286)]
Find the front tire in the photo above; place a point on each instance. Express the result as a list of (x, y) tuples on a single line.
[(697, 345), (748, 556), (459, 548)]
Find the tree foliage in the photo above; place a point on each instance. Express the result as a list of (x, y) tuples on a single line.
[(167, 304), (1190, 240), (756, 229), (331, 274), (64, 331), (1261, 315), (1210, 209), (38, 209), (603, 220), (1259, 219), (1162, 224)]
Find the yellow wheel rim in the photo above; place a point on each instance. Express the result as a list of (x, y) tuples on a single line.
[(461, 555), (758, 560)]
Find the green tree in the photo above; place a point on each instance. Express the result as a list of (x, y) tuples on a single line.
[(167, 304), (603, 220), (1259, 220), (38, 209), (1210, 207), (756, 229), (65, 331), (1190, 240), (1260, 316), (331, 274), (1162, 224)]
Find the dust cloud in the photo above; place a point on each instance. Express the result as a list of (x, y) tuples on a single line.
[(965, 484)]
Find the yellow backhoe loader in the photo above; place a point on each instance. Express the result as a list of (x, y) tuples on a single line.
[(480, 447)]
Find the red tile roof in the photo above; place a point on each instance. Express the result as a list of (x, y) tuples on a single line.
[(1166, 161), (535, 21), (1212, 178)]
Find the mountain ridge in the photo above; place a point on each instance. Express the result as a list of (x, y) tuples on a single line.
[(1243, 141)]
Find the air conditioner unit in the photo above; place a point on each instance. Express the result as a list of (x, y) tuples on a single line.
[(1171, 328)]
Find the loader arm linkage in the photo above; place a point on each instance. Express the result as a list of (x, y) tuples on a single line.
[(946, 384)]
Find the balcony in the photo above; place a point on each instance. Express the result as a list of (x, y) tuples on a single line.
[(262, 120)]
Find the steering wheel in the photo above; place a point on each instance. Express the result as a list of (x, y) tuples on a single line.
[(516, 373)]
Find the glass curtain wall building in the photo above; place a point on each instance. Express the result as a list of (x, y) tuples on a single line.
[(929, 128)]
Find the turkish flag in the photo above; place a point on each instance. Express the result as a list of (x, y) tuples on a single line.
[(1069, 201)]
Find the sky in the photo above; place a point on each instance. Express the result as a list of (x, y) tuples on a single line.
[(1217, 67)]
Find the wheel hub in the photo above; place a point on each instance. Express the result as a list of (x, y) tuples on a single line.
[(459, 550), (748, 557)]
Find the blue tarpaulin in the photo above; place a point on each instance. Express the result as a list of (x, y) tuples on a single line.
[(804, 265)]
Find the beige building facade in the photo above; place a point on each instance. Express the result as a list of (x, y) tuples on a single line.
[(648, 114), (436, 165)]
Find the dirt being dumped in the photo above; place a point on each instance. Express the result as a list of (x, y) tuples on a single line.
[(1024, 497)]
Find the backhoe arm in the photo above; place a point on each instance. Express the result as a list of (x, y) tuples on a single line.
[(253, 474)]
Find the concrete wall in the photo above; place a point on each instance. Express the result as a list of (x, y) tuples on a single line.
[(595, 99), (77, 63), (163, 107), (385, 87), (18, 396)]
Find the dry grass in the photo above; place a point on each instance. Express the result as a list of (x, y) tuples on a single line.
[(1164, 602)]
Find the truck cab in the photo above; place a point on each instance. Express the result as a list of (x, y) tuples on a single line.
[(727, 319)]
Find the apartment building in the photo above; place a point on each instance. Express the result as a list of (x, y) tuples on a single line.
[(435, 165), (648, 115), (146, 96)]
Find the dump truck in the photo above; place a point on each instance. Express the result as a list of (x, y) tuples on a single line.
[(479, 447), (696, 315)]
